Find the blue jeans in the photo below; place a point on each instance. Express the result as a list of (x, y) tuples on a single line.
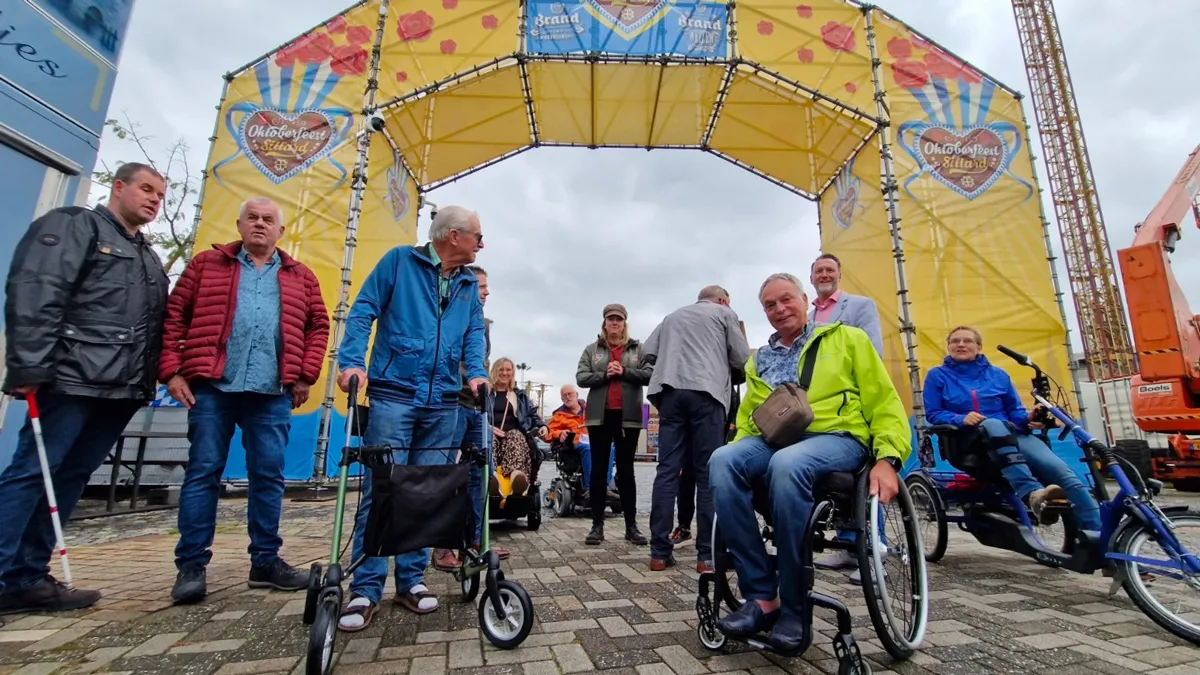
[(790, 475), (79, 432), (1049, 469), (403, 426), (469, 432), (585, 458), (265, 421)]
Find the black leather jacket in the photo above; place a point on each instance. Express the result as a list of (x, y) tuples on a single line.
[(84, 308)]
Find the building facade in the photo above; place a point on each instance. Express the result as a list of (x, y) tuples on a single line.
[(58, 62)]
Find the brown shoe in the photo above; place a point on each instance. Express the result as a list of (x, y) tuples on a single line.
[(50, 595), (502, 553), (445, 560), (703, 566), (658, 565)]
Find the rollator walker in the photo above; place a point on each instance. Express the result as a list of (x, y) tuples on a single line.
[(415, 507)]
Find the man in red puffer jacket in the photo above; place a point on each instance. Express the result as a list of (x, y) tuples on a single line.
[(244, 340)]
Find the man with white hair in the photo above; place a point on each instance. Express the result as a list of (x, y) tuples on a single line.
[(694, 350), (243, 343), (424, 304)]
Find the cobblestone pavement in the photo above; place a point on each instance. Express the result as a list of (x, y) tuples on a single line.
[(598, 608)]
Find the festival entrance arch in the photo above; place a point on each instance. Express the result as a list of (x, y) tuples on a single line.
[(919, 162)]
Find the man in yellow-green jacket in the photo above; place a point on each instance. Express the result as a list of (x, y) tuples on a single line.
[(858, 418)]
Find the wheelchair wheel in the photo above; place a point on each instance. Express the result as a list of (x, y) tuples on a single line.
[(322, 635), (892, 564), (560, 498), (510, 632), (931, 515)]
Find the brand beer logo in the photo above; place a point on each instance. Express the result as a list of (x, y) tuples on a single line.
[(969, 162), (283, 144), (629, 18)]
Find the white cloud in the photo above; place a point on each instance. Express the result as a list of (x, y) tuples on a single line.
[(568, 231)]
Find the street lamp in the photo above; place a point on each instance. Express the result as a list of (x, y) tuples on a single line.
[(523, 367)]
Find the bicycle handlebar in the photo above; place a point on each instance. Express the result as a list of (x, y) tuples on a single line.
[(1015, 356)]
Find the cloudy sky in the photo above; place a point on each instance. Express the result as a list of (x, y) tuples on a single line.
[(560, 223)]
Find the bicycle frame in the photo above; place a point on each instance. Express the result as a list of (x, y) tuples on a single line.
[(1129, 501)]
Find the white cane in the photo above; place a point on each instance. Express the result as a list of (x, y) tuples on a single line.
[(36, 423)]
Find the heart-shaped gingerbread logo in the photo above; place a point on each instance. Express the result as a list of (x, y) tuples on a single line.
[(967, 161), (629, 17), (396, 194), (282, 144)]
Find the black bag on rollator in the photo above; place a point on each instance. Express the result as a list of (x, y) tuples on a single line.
[(416, 507)]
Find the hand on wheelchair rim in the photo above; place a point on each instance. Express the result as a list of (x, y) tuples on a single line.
[(885, 482)]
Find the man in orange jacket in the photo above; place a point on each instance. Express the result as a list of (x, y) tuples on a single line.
[(569, 419)]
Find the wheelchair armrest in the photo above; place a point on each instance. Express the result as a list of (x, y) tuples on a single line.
[(939, 429)]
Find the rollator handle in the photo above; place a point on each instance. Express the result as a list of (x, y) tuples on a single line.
[(482, 397), (352, 392)]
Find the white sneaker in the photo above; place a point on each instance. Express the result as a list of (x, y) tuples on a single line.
[(837, 560)]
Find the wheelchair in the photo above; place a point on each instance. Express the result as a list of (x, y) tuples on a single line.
[(516, 507), (895, 584), (566, 493)]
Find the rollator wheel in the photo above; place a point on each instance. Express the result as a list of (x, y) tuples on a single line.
[(709, 636), (891, 562), (470, 587), (322, 635), (510, 632), (931, 516), (312, 594)]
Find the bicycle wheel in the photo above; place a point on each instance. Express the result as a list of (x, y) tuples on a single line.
[(931, 516), (1172, 608)]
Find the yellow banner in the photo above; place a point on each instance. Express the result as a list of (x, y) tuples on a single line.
[(288, 131), (974, 246), (854, 227), (819, 44)]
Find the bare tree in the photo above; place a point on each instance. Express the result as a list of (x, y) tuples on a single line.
[(174, 231)]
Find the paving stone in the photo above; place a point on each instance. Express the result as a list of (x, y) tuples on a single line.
[(25, 635), (616, 627), (428, 665), (465, 654), (229, 616), (681, 660), (255, 667), (572, 658), (207, 647)]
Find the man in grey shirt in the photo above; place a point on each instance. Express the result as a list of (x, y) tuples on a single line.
[(693, 351)]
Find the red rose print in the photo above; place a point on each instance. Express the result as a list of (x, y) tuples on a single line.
[(415, 26), (804, 55), (489, 21), (285, 57), (765, 28), (358, 35), (851, 87), (449, 4), (921, 43), (349, 60), (942, 65), (804, 11), (838, 36), (311, 48), (899, 48), (910, 74), (402, 76), (448, 46), (971, 75), (336, 25)]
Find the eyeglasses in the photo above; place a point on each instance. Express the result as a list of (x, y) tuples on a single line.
[(478, 235)]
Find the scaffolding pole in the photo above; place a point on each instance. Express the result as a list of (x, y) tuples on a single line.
[(321, 456)]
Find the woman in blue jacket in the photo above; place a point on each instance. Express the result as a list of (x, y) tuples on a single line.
[(968, 391)]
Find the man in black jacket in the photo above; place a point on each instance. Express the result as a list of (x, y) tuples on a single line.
[(83, 314)]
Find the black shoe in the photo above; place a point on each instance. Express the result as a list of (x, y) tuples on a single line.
[(279, 575), (48, 596), (789, 636), (747, 621), (633, 535), (595, 536), (191, 585)]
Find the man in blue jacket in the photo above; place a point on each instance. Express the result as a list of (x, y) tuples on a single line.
[(424, 304)]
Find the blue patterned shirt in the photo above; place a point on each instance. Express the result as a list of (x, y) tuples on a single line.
[(252, 353), (776, 364)]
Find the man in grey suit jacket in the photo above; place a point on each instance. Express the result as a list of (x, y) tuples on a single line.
[(831, 305)]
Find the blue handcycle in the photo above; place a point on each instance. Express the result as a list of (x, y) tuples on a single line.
[(993, 514)]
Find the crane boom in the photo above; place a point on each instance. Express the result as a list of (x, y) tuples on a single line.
[(1164, 328), (1104, 331)]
